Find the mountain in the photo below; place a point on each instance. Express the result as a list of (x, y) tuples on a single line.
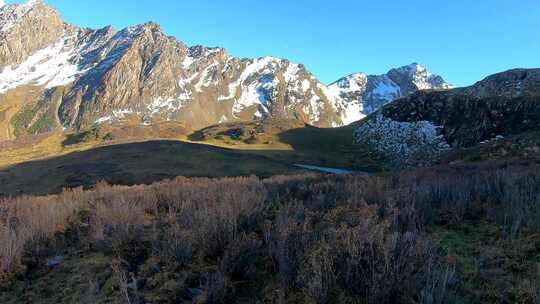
[(501, 105), (56, 75), (362, 94)]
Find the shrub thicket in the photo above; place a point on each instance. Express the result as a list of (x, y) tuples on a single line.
[(305, 238)]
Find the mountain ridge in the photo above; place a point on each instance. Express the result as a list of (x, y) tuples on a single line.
[(100, 76)]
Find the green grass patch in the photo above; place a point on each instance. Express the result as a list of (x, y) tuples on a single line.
[(22, 120), (490, 268)]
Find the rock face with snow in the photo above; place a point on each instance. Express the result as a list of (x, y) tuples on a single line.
[(56, 75), (27, 28), (503, 104), (361, 94)]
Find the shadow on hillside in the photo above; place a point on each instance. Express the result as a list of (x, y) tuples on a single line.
[(333, 147), (134, 163), (326, 147)]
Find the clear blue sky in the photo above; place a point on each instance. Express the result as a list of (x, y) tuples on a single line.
[(463, 41)]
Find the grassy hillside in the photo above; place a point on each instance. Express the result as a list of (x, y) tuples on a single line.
[(57, 143), (129, 154), (132, 163), (12, 107), (524, 147), (293, 142)]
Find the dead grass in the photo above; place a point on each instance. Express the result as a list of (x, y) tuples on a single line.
[(302, 238), (10, 105)]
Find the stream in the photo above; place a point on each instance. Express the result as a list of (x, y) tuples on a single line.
[(325, 169)]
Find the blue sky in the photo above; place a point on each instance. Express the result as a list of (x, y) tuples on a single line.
[(463, 41)]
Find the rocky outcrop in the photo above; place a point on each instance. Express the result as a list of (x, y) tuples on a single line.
[(403, 144), (510, 84), (503, 104)]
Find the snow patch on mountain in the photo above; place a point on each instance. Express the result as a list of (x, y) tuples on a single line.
[(116, 115), (184, 82), (188, 61), (306, 85), (347, 92), (206, 77), (386, 89), (196, 53), (255, 84), (52, 66), (350, 84), (352, 111), (380, 90), (161, 104), (313, 109), (291, 74), (10, 14)]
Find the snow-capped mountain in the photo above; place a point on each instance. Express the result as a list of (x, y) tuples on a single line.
[(53, 75), (361, 94)]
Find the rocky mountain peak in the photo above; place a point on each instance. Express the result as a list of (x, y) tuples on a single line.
[(26, 28), (199, 51), (151, 26), (107, 30), (412, 69), (12, 14), (144, 29), (414, 77), (363, 94)]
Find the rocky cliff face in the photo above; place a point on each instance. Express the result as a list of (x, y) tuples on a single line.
[(54, 75), (502, 104)]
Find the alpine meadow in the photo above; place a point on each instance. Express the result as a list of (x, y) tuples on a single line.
[(135, 168)]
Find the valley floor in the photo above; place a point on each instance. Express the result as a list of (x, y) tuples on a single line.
[(132, 155)]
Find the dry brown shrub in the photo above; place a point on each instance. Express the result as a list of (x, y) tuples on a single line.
[(329, 238), (32, 219)]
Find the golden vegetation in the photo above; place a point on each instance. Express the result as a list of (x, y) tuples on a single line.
[(46, 163), (402, 238), (278, 139)]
